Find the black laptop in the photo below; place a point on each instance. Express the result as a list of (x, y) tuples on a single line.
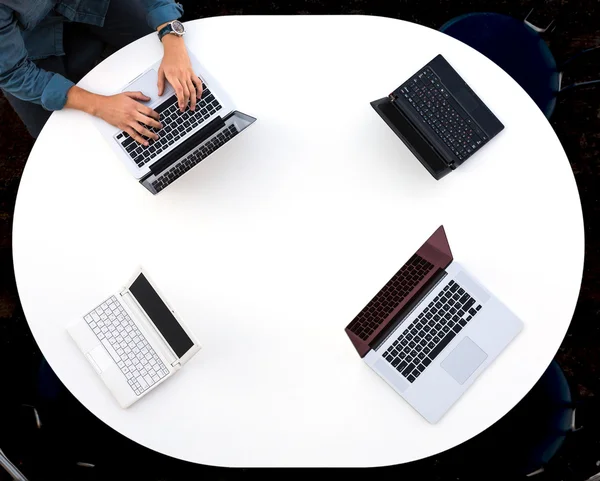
[(439, 118)]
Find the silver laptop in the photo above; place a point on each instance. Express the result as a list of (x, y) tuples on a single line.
[(432, 329), (185, 139), (134, 340)]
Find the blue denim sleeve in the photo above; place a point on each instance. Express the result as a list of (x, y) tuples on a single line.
[(162, 11), (19, 76)]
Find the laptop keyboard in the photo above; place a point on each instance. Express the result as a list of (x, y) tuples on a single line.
[(194, 157), (176, 125), (436, 107), (389, 297), (128, 347), (431, 331)]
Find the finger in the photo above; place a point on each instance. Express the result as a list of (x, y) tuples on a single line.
[(161, 81), (179, 92), (186, 94), (192, 90), (137, 96), (135, 136), (143, 130), (198, 85), (148, 112), (149, 121)]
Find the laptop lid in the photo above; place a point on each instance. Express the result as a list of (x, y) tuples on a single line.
[(414, 276), (195, 149), (161, 316)]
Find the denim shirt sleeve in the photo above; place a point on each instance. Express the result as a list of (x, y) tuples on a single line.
[(162, 11), (19, 76)]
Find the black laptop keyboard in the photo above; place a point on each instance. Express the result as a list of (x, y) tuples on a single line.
[(390, 297), (431, 331), (194, 157), (438, 109), (176, 124)]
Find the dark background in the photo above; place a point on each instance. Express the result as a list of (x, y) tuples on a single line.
[(70, 433)]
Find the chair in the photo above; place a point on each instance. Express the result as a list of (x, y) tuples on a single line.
[(524, 442), (517, 47), (35, 445), (10, 468), (15, 428)]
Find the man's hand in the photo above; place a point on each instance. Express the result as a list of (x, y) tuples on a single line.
[(122, 110), (177, 69)]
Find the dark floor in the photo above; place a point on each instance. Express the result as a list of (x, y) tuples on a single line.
[(51, 452)]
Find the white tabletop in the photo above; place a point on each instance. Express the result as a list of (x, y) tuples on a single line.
[(273, 244)]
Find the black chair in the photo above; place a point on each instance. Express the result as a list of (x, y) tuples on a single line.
[(524, 442), (518, 48)]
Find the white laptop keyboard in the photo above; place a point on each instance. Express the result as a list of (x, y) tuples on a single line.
[(125, 343)]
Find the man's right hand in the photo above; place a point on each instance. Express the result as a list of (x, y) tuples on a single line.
[(126, 113), (122, 110)]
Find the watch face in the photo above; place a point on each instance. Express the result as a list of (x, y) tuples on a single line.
[(177, 27)]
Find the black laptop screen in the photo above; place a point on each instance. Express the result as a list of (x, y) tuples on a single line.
[(160, 314)]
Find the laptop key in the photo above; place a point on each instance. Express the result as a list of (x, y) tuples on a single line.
[(464, 298), (165, 105), (443, 343), (142, 382), (469, 304), (408, 369)]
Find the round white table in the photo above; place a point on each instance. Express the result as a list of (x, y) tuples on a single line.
[(273, 244)]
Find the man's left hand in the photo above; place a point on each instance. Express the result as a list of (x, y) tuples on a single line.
[(177, 69)]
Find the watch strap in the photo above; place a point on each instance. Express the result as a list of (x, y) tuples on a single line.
[(164, 31)]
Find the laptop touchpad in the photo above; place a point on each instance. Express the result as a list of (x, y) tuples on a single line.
[(148, 85), (464, 360), (467, 100), (101, 358)]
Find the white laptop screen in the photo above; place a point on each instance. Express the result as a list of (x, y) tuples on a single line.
[(161, 316)]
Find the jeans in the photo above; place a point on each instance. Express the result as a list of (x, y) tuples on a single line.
[(125, 22)]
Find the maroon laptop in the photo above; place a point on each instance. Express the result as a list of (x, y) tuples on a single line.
[(401, 292)]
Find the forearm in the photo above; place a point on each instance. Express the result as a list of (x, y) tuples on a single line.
[(80, 99)]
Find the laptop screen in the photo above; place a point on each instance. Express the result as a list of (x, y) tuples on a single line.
[(161, 316)]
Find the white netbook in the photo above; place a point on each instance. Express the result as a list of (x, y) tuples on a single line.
[(186, 138), (134, 340)]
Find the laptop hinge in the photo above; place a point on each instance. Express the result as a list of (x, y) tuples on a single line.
[(176, 364), (395, 101), (185, 147)]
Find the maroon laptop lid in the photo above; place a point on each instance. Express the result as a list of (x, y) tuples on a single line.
[(432, 256)]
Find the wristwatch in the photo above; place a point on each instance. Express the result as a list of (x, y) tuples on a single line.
[(175, 27)]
